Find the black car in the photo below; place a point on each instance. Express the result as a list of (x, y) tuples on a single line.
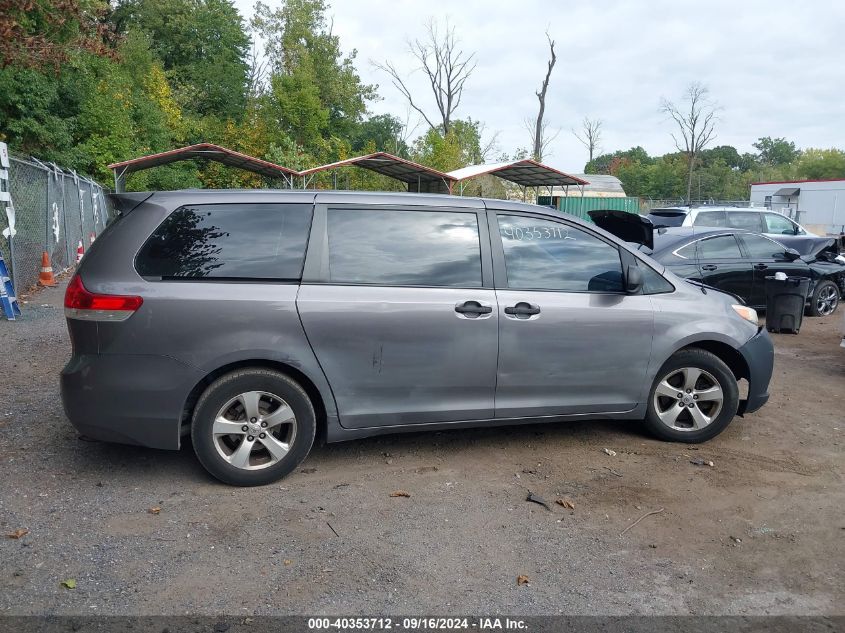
[(735, 261)]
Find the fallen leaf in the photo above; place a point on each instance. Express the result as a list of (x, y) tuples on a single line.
[(522, 580), (400, 493), (155, 510), (288, 561), (70, 583), (19, 533), (610, 452), (566, 503)]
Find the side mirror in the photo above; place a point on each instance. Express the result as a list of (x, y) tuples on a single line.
[(791, 254), (633, 280)]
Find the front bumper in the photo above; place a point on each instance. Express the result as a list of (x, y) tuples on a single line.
[(759, 355), (127, 398)]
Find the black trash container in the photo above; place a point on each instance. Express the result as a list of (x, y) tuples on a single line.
[(785, 300)]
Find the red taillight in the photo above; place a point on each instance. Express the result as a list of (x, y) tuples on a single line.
[(78, 299)]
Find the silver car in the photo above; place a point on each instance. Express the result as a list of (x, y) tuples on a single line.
[(750, 219), (256, 321)]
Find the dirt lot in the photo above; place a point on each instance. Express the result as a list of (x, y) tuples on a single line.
[(760, 532)]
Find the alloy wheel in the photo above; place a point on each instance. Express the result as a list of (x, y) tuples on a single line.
[(827, 301), (688, 399), (254, 430)]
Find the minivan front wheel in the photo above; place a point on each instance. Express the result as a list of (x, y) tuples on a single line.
[(693, 398), (252, 427)]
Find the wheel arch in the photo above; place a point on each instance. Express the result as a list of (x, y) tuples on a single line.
[(289, 370), (724, 352)]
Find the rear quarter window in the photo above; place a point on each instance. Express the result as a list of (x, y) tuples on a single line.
[(228, 241), (710, 218), (749, 220)]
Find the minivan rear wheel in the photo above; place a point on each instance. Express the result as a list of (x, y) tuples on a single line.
[(252, 427), (693, 398)]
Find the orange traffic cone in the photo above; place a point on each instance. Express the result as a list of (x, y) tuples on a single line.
[(80, 251), (46, 277)]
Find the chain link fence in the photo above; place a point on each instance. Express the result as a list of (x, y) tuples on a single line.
[(54, 211)]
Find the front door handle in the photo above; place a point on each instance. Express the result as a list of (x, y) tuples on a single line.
[(709, 267), (472, 309), (522, 310), (760, 266)]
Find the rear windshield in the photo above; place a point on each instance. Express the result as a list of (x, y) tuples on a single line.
[(667, 217), (228, 241)]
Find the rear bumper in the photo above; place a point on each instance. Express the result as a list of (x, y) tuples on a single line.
[(130, 399), (759, 355)]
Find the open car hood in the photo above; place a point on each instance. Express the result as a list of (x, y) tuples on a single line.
[(811, 247), (629, 227)]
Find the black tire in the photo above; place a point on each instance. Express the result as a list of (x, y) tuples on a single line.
[(223, 390), (713, 365), (814, 309)]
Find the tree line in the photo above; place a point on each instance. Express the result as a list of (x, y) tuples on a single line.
[(719, 173), (88, 82)]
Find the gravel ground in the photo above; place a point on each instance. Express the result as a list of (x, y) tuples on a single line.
[(760, 532)]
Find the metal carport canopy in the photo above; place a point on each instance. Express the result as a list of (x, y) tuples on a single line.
[(418, 177), (205, 151), (525, 173)]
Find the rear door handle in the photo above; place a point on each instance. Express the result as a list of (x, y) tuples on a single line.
[(760, 266), (709, 267), (523, 309), (472, 309)]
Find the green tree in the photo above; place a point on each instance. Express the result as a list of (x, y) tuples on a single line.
[(294, 103), (203, 46), (776, 151), (603, 164), (821, 164), (315, 88), (460, 147), (33, 113), (384, 131)]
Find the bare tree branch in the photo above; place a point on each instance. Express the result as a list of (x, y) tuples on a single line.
[(547, 138), (446, 67), (257, 73), (539, 125), (398, 82), (486, 150), (590, 136), (696, 123)]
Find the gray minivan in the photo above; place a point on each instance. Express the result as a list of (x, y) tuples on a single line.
[(255, 321)]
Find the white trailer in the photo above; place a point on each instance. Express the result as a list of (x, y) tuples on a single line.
[(818, 205)]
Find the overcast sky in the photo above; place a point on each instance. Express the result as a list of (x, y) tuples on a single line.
[(776, 68)]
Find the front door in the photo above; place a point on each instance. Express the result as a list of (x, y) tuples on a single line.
[(402, 314), (570, 340), (768, 257), (721, 265)]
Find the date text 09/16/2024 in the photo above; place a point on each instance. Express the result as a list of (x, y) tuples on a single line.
[(416, 624)]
